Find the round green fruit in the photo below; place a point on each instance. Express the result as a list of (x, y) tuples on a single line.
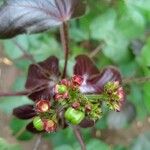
[(74, 116), (38, 124), (62, 89)]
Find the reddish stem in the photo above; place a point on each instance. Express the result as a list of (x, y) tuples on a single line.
[(65, 43), (79, 137), (25, 92), (22, 93), (136, 80)]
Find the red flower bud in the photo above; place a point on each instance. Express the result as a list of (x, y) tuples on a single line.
[(65, 95), (116, 83), (88, 108), (77, 80), (42, 106), (121, 94), (66, 82), (58, 97), (49, 125), (76, 105), (117, 107)]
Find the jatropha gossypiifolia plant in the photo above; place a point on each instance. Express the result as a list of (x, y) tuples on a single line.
[(76, 100), (59, 100)]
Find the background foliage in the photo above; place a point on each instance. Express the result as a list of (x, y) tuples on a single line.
[(121, 30)]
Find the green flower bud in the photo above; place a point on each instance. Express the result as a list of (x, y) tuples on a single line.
[(38, 123), (61, 89)]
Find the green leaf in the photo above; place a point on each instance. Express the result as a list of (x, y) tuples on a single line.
[(101, 123), (7, 104), (146, 96), (59, 140), (143, 5), (145, 54), (129, 69), (12, 51), (43, 46), (131, 22), (143, 58), (78, 35), (103, 28), (19, 83), (120, 147), (90, 146), (103, 25), (136, 97), (64, 147), (97, 143), (116, 47), (18, 127)]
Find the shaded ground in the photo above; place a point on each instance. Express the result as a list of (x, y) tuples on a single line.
[(123, 136)]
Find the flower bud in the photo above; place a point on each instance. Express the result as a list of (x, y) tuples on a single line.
[(88, 108), (42, 106), (75, 105), (38, 123), (65, 82), (58, 97), (77, 80), (111, 87), (121, 94), (117, 107), (49, 125), (65, 95), (60, 89), (116, 83)]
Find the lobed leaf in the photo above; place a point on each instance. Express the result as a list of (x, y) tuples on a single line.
[(33, 16)]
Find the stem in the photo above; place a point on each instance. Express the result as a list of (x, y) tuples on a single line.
[(96, 51), (24, 51), (79, 137), (22, 93), (20, 132), (37, 143), (65, 43), (97, 97), (136, 80)]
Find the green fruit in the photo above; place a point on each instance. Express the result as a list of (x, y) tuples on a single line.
[(74, 116), (38, 124), (62, 89)]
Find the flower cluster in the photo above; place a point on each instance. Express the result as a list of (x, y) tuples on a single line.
[(77, 100), (115, 94), (69, 96)]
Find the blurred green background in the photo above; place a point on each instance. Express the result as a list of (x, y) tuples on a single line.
[(113, 32)]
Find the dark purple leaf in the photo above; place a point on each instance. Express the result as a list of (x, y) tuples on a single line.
[(42, 77), (32, 16), (85, 67), (94, 80), (95, 84), (24, 112), (31, 128), (87, 123)]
